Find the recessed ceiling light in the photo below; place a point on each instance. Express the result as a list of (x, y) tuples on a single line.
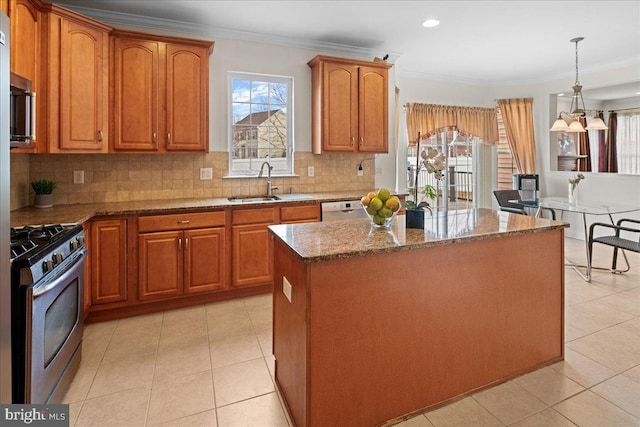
[(432, 22), (561, 94)]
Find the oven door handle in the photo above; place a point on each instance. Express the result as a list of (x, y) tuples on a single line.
[(70, 270)]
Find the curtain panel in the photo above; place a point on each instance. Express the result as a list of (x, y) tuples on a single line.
[(611, 158), (427, 119), (517, 115), (584, 148)]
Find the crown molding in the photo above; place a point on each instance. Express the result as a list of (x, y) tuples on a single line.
[(145, 23)]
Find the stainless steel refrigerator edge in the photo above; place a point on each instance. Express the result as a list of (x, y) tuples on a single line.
[(5, 275)]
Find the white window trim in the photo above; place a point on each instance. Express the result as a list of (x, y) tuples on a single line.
[(290, 120)]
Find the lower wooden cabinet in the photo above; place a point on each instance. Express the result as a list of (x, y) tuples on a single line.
[(252, 247), (182, 259), (179, 262), (108, 261)]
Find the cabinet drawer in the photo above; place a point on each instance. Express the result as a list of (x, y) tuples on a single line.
[(181, 221), (303, 213), (255, 216)]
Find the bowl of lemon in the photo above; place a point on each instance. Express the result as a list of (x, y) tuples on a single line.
[(381, 207)]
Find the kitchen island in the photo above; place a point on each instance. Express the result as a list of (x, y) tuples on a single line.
[(371, 326)]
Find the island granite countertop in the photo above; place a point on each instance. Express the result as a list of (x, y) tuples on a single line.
[(79, 213), (323, 241)]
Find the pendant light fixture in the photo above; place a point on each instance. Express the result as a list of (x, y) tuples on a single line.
[(570, 122)]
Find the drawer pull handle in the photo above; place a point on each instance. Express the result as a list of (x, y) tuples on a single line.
[(184, 221), (352, 140), (179, 244), (155, 138), (361, 141), (168, 138), (186, 244), (100, 136)]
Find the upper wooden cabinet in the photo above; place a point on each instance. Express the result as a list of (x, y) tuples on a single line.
[(161, 94), (349, 105), (84, 88), (77, 85)]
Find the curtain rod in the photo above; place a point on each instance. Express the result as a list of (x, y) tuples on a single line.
[(624, 109)]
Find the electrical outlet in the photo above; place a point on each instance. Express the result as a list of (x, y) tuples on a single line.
[(286, 288), (78, 177), (360, 171), (378, 170), (206, 173), (310, 171)]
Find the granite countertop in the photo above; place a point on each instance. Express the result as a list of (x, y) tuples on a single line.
[(79, 213), (323, 241)]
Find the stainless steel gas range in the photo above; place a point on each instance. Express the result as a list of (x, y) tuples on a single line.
[(47, 288)]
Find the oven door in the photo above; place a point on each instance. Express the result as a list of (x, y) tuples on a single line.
[(54, 331)]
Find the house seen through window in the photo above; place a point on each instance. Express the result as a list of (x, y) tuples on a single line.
[(260, 124)]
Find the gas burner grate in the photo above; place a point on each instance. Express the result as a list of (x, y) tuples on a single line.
[(43, 232), (22, 247)]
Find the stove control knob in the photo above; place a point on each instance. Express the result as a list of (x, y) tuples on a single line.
[(47, 265), (73, 245), (57, 258), (80, 240)]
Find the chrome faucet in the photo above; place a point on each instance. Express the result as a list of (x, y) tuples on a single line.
[(270, 187)]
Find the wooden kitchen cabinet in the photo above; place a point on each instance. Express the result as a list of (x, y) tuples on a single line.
[(300, 213), (252, 246), (108, 261), (161, 94), (349, 105), (177, 256), (77, 96)]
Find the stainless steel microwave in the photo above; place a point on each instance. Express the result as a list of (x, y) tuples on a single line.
[(23, 112)]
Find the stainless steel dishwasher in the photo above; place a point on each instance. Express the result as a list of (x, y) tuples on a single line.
[(349, 209)]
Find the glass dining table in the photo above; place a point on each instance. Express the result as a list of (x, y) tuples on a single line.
[(563, 205)]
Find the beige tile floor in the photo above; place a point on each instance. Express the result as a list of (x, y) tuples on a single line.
[(212, 365)]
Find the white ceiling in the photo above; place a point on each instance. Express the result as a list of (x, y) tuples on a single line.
[(477, 42)]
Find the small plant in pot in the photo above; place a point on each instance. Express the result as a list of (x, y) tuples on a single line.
[(434, 162), (43, 189)]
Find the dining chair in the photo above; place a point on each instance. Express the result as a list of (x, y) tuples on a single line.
[(503, 197), (616, 241)]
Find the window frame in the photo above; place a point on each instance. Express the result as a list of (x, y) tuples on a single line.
[(290, 143)]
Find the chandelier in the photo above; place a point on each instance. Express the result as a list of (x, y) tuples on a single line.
[(570, 122)]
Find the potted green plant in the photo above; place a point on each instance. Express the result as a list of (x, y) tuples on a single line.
[(434, 162), (43, 189)]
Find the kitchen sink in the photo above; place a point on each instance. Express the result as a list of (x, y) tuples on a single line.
[(252, 199)]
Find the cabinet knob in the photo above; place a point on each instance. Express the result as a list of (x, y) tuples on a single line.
[(100, 136)]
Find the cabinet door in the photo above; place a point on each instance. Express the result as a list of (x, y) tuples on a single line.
[(108, 259), (205, 264), (84, 83), (339, 107), (252, 255), (187, 98), (160, 264), (136, 107), (372, 110), (25, 44)]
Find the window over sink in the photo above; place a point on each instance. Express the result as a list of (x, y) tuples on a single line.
[(260, 124)]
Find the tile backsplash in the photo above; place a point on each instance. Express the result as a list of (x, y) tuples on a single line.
[(124, 177)]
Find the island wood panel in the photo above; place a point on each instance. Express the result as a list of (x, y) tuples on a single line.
[(394, 333)]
